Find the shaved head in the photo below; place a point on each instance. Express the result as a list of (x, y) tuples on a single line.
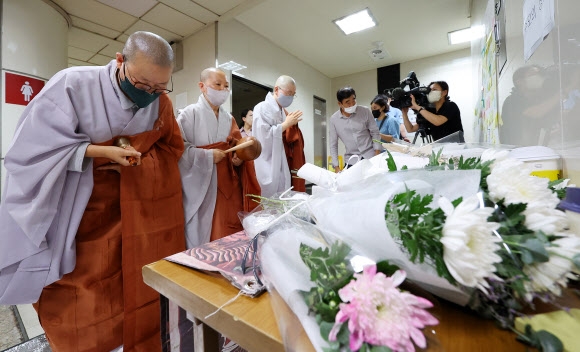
[(209, 73), (285, 82), (151, 46)]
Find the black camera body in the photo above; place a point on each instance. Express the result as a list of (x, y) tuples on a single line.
[(402, 98)]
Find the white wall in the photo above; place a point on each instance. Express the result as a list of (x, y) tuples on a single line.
[(34, 42), (364, 84), (266, 62), (198, 54), (455, 69), (559, 55)]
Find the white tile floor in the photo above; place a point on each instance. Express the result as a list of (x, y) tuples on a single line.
[(30, 320)]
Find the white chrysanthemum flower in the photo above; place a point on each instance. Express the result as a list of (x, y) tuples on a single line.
[(548, 220), (469, 245), (510, 179), (494, 154), (552, 276)]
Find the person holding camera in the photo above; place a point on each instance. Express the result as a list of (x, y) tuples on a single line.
[(440, 120)]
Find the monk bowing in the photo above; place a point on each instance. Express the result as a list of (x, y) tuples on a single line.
[(214, 183), (92, 195)]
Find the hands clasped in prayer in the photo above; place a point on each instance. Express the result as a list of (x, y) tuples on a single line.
[(292, 119)]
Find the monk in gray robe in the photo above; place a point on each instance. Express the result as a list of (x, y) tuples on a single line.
[(214, 183), (77, 218), (270, 122)]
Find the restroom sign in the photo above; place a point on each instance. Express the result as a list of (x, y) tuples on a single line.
[(21, 89)]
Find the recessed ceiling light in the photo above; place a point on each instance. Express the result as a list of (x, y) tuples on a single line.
[(232, 66), (356, 22), (465, 35)]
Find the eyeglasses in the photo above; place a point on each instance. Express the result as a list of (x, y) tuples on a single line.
[(145, 87), (284, 90)]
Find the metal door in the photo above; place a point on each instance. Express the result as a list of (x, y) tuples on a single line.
[(320, 144)]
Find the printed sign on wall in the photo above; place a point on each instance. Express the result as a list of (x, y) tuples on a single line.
[(538, 23), (21, 89)]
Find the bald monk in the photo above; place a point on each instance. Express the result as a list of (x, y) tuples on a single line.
[(214, 183), (281, 139), (77, 218)]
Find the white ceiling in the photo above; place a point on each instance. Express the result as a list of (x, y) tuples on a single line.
[(409, 29)]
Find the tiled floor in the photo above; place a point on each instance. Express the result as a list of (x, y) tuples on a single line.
[(10, 333), (30, 320), (20, 330)]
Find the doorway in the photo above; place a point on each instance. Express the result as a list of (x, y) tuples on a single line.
[(319, 132), (245, 95)]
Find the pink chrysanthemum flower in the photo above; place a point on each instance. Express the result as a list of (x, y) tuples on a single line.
[(380, 314)]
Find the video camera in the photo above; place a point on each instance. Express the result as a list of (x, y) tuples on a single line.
[(402, 98)]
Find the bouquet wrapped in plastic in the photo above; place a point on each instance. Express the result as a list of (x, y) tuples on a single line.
[(479, 231)]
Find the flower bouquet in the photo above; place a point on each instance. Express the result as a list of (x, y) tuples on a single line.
[(480, 232)]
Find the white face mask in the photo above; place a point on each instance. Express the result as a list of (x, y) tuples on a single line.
[(434, 96), (534, 82), (284, 100), (350, 110), (216, 97)]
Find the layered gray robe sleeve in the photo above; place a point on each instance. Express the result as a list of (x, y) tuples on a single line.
[(272, 169), (199, 127)]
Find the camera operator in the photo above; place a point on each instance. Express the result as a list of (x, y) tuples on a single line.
[(398, 115), (440, 120)]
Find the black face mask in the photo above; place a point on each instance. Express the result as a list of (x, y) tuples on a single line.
[(376, 113)]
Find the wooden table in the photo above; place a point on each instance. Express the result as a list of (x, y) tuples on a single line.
[(252, 324)]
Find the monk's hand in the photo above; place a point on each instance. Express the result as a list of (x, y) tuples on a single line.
[(236, 161), (115, 154), (336, 169), (123, 156), (218, 155), (134, 160), (293, 118)]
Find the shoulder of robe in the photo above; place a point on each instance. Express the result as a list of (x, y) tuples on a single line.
[(74, 79)]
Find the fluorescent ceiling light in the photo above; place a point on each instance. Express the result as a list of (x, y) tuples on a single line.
[(356, 22), (465, 35), (232, 66)]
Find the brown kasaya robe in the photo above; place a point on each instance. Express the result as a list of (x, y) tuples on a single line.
[(294, 147), (134, 217), (233, 183)]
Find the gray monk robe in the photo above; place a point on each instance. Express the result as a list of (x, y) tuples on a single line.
[(271, 167), (50, 223), (213, 194)]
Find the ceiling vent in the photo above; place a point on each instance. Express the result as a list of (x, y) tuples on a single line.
[(378, 53)]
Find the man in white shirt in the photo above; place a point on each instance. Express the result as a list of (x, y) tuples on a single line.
[(355, 126)]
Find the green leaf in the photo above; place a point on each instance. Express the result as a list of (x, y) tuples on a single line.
[(364, 348), (343, 335), (549, 342), (325, 328), (380, 349), (537, 251), (386, 268), (391, 162), (561, 193), (576, 260)]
